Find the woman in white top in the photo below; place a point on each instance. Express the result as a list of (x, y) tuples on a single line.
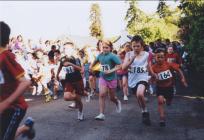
[(137, 63)]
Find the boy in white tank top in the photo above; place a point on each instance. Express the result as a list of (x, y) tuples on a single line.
[(137, 63)]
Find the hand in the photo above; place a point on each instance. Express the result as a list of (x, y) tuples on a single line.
[(184, 82), (155, 76), (107, 72)]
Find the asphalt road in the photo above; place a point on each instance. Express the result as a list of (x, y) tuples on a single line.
[(55, 121)]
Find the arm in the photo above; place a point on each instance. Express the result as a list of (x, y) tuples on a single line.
[(183, 79), (117, 67), (73, 65), (23, 85), (127, 62)]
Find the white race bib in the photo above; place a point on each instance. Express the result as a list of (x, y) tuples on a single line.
[(1, 78), (138, 70), (64, 71), (104, 68), (165, 75)]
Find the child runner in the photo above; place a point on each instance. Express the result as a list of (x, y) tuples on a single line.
[(138, 63), (73, 88), (110, 63), (164, 82), (123, 77), (12, 85)]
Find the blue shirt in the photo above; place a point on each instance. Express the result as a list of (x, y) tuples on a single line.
[(108, 61)]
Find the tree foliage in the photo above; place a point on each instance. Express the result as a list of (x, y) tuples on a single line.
[(96, 26), (192, 31), (152, 27)]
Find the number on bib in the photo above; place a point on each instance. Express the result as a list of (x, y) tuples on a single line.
[(69, 69), (137, 70), (105, 68), (165, 75)]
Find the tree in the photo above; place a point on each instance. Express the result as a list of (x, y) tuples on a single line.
[(162, 9), (95, 27), (192, 31), (133, 17)]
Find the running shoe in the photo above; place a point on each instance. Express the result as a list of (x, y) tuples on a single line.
[(72, 105), (88, 98), (146, 118), (100, 117), (55, 97), (118, 107), (80, 116), (125, 98)]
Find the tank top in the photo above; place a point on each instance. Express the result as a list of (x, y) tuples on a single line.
[(138, 69)]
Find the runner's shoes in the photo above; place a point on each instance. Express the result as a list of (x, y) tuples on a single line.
[(125, 98), (146, 118), (100, 117), (80, 116), (118, 107), (72, 105)]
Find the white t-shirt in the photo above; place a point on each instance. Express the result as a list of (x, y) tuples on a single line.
[(138, 69)]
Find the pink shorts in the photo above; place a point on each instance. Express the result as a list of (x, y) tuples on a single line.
[(110, 84)]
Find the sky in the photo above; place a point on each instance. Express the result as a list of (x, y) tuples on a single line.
[(50, 19)]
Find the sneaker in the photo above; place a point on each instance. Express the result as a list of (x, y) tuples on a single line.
[(146, 118), (92, 93), (30, 134), (55, 97), (118, 107), (100, 117), (80, 116), (72, 105), (125, 98), (88, 98), (162, 123)]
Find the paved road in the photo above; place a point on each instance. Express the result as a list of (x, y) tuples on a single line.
[(55, 121)]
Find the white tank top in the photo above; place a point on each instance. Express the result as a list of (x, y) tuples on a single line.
[(138, 71)]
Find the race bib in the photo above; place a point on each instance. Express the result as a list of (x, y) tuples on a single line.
[(64, 71), (164, 75), (69, 69), (104, 68), (1, 78), (138, 70), (171, 60)]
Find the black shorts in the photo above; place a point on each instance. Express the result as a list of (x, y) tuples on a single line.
[(167, 92), (134, 90), (9, 122)]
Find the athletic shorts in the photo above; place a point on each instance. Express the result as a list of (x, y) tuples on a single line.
[(77, 86), (167, 92), (134, 90), (9, 122), (110, 84)]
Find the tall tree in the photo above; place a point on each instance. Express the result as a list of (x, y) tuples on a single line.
[(95, 19), (133, 17), (162, 9)]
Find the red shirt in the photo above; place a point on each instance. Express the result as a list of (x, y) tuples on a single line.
[(164, 73), (10, 72), (173, 58)]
